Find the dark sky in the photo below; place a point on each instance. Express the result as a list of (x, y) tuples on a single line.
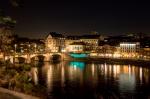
[(35, 18)]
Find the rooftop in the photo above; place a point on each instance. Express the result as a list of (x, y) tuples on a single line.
[(55, 34)]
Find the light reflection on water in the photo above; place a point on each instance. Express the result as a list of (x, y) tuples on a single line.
[(34, 72), (93, 80)]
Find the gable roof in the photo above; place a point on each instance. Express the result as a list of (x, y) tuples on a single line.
[(55, 35)]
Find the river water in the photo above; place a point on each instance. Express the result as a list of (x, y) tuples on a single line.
[(93, 80)]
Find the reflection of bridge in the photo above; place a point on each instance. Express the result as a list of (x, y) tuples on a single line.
[(35, 56)]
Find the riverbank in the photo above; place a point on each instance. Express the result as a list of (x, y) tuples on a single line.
[(114, 61), (8, 94), (18, 77)]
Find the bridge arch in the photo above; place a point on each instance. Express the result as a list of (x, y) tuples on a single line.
[(55, 57), (19, 59), (28, 58), (39, 58)]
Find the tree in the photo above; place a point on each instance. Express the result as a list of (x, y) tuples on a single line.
[(6, 33)]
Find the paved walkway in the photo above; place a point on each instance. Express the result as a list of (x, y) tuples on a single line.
[(8, 94)]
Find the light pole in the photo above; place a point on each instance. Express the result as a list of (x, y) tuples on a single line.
[(28, 55), (28, 48), (15, 48), (35, 47), (15, 52)]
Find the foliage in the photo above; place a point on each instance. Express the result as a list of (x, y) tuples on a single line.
[(7, 21), (12, 72), (28, 87), (6, 33), (25, 67), (16, 77)]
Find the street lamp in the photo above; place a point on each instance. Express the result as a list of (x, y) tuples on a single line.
[(15, 47), (14, 53), (35, 47), (28, 48)]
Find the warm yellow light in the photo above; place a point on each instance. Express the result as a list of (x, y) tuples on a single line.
[(116, 55), (127, 44)]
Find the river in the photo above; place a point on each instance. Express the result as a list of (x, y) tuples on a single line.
[(92, 80)]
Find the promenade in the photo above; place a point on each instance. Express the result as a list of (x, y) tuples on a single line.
[(8, 94)]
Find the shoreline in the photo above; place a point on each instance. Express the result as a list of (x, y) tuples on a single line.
[(5, 93), (113, 60), (97, 59)]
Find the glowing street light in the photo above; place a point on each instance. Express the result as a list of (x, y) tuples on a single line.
[(29, 48), (15, 47), (35, 47)]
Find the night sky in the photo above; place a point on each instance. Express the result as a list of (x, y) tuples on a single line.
[(36, 18)]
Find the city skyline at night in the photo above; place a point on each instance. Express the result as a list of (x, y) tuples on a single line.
[(74, 49)]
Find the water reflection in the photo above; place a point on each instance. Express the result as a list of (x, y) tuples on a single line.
[(79, 79), (49, 77), (127, 78), (75, 71), (34, 72), (77, 64)]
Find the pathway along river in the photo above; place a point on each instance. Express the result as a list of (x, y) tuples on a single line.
[(93, 80)]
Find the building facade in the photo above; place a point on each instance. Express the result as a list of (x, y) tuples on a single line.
[(129, 49), (76, 47), (55, 42), (70, 40)]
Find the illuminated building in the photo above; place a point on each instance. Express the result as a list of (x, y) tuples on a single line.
[(129, 49), (54, 42), (76, 47), (92, 41), (26, 45), (71, 39), (145, 48)]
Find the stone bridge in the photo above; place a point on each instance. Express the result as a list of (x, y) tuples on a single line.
[(27, 58)]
